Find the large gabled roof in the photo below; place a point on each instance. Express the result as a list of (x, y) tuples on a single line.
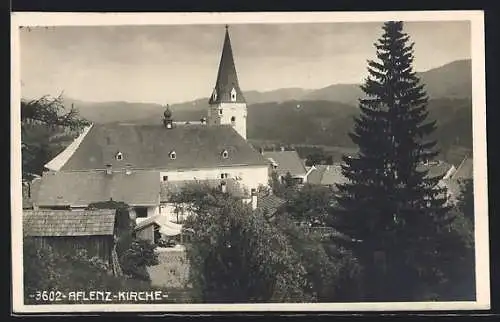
[(150, 147), (79, 189), (60, 223)]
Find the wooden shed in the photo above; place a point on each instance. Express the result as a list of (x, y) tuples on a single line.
[(70, 231)]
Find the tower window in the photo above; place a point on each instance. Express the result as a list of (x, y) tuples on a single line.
[(173, 155), (225, 154), (220, 111), (233, 95), (119, 156)]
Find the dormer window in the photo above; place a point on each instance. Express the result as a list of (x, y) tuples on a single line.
[(119, 156), (225, 154), (173, 155), (233, 95)]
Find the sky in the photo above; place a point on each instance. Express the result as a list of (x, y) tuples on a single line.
[(171, 64)]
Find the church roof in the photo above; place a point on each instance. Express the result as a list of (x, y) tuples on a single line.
[(79, 189), (227, 79), (151, 147)]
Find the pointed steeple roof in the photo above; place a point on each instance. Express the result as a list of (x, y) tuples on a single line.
[(227, 79)]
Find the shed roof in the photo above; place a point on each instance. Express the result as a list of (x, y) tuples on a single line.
[(58, 223), (83, 188), (269, 203), (149, 147)]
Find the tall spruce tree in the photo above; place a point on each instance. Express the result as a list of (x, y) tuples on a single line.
[(390, 204)]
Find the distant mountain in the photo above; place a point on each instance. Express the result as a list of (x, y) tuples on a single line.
[(314, 117), (328, 123), (453, 80)]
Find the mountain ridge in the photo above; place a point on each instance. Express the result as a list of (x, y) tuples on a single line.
[(452, 80)]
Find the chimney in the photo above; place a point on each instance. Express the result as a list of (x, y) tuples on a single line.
[(109, 169), (261, 150), (128, 169), (253, 195), (223, 187)]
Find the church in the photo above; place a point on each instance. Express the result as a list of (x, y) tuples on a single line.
[(142, 165)]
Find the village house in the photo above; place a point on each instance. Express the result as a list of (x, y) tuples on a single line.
[(287, 162), (67, 232)]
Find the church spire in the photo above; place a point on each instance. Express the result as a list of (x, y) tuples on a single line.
[(227, 88)]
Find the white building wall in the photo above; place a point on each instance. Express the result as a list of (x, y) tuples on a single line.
[(229, 110), (251, 177)]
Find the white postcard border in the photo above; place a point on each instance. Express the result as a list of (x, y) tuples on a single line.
[(476, 19)]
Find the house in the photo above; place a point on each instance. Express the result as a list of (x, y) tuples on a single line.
[(131, 163), (326, 175), (77, 190), (157, 227), (454, 182), (69, 231), (284, 162)]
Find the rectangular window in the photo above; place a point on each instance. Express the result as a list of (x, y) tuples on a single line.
[(141, 212), (165, 178), (224, 175)]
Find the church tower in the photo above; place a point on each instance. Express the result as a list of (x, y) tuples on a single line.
[(227, 104)]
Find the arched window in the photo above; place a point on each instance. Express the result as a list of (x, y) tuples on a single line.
[(233, 95), (233, 120), (173, 155), (214, 95)]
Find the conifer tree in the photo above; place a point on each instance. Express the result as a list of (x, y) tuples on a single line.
[(390, 204)]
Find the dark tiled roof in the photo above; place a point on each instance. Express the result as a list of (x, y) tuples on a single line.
[(173, 187), (227, 79), (57, 223), (269, 202), (83, 188), (326, 175), (150, 146), (287, 161)]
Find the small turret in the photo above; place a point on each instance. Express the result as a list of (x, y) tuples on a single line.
[(167, 118)]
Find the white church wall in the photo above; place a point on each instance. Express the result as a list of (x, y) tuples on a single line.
[(230, 110), (251, 177)]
